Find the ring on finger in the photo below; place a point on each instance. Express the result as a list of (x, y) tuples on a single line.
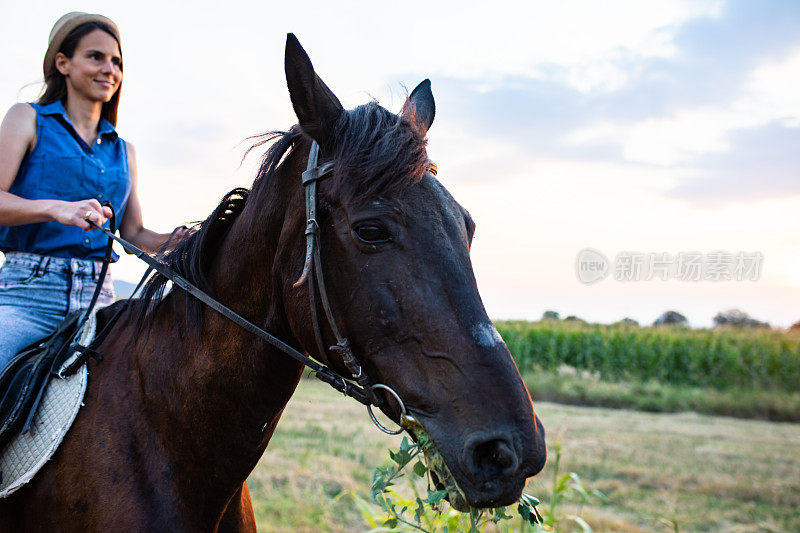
[(88, 215)]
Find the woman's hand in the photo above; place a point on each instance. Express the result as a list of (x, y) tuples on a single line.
[(81, 213), (180, 233)]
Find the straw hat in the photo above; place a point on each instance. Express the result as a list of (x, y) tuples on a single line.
[(63, 27)]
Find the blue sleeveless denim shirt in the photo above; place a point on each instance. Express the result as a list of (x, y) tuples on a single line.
[(63, 167)]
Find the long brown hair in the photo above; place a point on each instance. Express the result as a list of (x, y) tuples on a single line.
[(55, 84)]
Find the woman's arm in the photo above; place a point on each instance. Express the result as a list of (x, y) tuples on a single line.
[(17, 138), (132, 228)]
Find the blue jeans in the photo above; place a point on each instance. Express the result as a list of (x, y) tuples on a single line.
[(37, 292)]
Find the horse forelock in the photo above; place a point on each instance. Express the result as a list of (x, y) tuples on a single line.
[(375, 153)]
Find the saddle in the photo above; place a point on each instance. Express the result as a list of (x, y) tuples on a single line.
[(24, 379)]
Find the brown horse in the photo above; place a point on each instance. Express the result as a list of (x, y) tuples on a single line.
[(184, 404)]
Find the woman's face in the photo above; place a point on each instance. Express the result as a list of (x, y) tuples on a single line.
[(94, 71)]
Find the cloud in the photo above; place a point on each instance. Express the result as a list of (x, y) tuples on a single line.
[(766, 94), (762, 162), (726, 92)]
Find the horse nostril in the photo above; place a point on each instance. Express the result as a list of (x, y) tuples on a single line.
[(492, 458)]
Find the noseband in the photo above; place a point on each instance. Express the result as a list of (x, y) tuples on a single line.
[(363, 391)]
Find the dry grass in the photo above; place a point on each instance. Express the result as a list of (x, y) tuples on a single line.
[(324, 447), (705, 473)]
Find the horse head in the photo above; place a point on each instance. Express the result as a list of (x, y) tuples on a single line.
[(395, 252)]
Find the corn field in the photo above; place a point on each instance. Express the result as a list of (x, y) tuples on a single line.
[(719, 358)]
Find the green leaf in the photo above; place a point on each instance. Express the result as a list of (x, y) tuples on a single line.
[(423, 441), (435, 497), (500, 514), (420, 469), (562, 483), (526, 514), (391, 523), (383, 502), (530, 500), (539, 518), (402, 458), (419, 511), (580, 490)]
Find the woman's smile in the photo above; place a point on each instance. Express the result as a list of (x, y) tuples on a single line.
[(95, 69)]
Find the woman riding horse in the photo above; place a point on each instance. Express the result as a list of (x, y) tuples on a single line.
[(60, 160), (185, 401)]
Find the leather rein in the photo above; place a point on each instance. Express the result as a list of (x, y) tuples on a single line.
[(363, 391)]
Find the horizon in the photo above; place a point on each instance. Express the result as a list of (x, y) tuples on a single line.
[(124, 289)]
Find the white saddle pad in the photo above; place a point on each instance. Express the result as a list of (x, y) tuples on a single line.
[(27, 454)]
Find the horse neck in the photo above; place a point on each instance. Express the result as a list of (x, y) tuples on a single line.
[(226, 382), (245, 276), (244, 271)]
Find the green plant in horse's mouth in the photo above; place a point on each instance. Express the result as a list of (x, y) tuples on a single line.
[(436, 467), (429, 513)]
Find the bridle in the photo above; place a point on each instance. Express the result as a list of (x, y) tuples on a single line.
[(363, 391), (312, 268)]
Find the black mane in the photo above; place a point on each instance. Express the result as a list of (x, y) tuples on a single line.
[(375, 152)]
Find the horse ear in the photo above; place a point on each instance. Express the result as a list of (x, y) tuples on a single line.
[(315, 105), (420, 105)]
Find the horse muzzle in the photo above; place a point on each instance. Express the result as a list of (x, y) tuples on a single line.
[(491, 469)]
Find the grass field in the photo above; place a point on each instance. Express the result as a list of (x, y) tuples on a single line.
[(724, 358), (704, 473), (742, 372), (573, 387)]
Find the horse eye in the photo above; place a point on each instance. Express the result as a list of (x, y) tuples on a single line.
[(372, 233)]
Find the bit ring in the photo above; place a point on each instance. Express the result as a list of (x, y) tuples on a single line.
[(399, 401)]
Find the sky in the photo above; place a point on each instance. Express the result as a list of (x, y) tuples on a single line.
[(633, 129)]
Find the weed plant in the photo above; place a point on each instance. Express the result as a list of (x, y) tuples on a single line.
[(402, 508)]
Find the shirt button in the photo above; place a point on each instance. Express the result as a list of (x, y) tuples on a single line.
[(86, 241), (98, 141), (99, 195), (102, 171)]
